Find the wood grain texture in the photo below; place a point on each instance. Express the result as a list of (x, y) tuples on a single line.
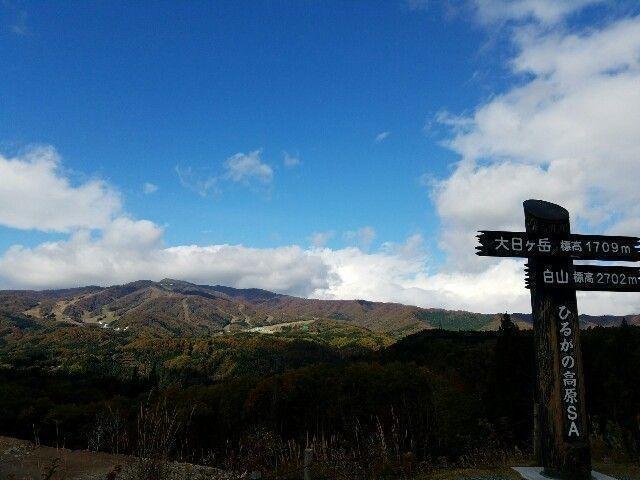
[(563, 457)]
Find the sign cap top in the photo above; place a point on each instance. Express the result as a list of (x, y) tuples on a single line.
[(545, 210)]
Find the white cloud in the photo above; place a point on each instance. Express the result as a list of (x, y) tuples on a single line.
[(364, 236), (382, 136), (398, 273), (243, 168), (544, 11), (291, 161), (568, 132), (35, 194), (490, 197), (149, 188), (203, 186), (129, 250), (240, 168), (320, 239), (121, 250)]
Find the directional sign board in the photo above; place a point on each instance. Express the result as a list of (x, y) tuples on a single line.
[(553, 280), (579, 247), (585, 277)]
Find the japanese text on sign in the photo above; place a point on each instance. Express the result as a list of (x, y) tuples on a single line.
[(587, 277), (587, 247), (568, 373)]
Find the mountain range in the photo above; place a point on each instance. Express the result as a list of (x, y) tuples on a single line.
[(175, 307)]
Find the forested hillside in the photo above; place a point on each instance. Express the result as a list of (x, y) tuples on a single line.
[(366, 401), (176, 308)]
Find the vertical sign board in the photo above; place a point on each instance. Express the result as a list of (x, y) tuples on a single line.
[(563, 440), (560, 430)]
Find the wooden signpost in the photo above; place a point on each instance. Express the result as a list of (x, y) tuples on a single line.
[(562, 440)]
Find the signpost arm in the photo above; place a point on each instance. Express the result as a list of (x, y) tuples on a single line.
[(562, 444)]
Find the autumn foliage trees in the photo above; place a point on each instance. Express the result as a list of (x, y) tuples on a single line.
[(434, 397)]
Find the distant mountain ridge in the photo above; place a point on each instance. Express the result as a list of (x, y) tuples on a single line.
[(177, 307), (588, 321)]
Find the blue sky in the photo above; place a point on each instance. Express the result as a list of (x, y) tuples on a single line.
[(402, 122), (126, 91)]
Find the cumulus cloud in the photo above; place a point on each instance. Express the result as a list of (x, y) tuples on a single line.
[(105, 246), (243, 168), (568, 132), (569, 135), (129, 250), (36, 194), (398, 273)]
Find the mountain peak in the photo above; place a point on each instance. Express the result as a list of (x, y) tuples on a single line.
[(171, 282), (177, 307)]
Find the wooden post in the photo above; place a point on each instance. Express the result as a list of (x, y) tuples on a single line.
[(561, 429), (536, 433)]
